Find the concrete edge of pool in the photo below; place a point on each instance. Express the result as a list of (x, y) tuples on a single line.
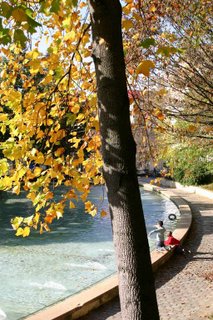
[(89, 299)]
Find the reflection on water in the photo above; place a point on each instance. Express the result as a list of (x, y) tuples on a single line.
[(42, 269)]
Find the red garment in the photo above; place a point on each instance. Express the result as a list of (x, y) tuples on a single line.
[(171, 241)]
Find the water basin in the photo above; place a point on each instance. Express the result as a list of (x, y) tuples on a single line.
[(42, 269)]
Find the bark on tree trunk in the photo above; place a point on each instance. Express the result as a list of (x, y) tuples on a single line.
[(136, 284)]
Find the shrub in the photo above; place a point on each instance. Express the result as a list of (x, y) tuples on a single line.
[(192, 166)]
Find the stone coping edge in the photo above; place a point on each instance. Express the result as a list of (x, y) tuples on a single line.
[(182, 227), (102, 292), (193, 189)]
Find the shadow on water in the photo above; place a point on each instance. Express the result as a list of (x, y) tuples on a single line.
[(76, 225)]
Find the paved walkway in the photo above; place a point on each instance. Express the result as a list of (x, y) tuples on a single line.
[(184, 286)]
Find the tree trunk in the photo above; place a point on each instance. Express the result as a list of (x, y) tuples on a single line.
[(136, 284)]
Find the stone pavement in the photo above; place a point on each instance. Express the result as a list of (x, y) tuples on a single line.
[(184, 286)]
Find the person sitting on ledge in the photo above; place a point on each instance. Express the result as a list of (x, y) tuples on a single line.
[(160, 230), (171, 242)]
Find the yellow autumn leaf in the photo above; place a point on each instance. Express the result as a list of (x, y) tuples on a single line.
[(19, 232), (127, 24), (49, 195), (127, 8), (31, 195), (80, 154), (71, 36), (92, 101), (97, 180), (40, 158), (95, 123), (19, 15), (58, 135), (3, 166), (59, 214), (16, 189), (72, 205), (46, 227), (85, 85), (80, 117), (191, 128), (68, 183), (158, 113), (49, 122), (162, 92), (5, 183), (67, 22), (152, 8), (144, 67), (35, 66), (48, 161), (37, 171), (41, 228), (16, 222), (36, 218), (49, 219), (59, 152), (75, 108), (103, 213), (3, 117), (47, 79), (40, 134), (84, 196), (75, 142), (32, 54), (26, 232), (88, 206), (93, 212), (14, 95), (28, 220)]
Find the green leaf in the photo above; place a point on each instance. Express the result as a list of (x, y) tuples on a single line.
[(29, 12), (55, 6), (148, 42), (166, 51), (58, 72), (5, 9), (5, 37), (33, 23), (75, 2), (20, 37), (72, 3), (23, 14), (71, 118), (42, 7)]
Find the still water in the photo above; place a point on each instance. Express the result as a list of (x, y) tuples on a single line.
[(42, 269)]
